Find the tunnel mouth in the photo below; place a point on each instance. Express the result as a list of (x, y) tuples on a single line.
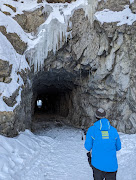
[(52, 95), (54, 101)]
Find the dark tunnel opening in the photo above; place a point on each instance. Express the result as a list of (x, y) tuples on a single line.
[(52, 102), (52, 95)]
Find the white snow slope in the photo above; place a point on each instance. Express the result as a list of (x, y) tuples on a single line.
[(57, 154)]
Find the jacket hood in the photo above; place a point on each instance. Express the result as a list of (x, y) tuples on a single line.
[(103, 124)]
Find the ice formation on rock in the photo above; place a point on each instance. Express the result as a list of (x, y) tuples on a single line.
[(53, 33)]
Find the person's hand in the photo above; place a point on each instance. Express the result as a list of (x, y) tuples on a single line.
[(85, 131), (89, 158)]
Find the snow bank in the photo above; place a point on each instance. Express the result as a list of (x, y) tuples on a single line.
[(57, 153), (14, 152), (122, 17)]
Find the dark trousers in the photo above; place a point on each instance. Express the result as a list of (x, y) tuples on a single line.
[(100, 175)]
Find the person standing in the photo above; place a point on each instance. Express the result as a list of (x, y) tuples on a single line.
[(103, 139)]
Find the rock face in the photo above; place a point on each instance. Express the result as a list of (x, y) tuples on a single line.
[(15, 40), (95, 68), (102, 66), (5, 70), (7, 123), (133, 7), (113, 5), (11, 101), (30, 21), (59, 1)]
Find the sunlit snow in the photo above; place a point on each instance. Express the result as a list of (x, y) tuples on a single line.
[(121, 17), (50, 35), (57, 153)]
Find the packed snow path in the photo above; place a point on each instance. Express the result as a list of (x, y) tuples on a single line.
[(61, 156), (57, 153)]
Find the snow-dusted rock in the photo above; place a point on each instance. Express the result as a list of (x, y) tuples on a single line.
[(5, 70), (30, 21), (15, 40)]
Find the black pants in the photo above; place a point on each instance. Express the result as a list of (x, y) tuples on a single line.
[(100, 175)]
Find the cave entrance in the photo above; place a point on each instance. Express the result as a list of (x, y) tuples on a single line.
[(52, 95), (52, 101)]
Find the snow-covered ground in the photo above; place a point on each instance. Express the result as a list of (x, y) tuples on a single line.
[(49, 35), (57, 153)]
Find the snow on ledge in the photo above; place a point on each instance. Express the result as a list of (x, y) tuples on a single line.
[(122, 17)]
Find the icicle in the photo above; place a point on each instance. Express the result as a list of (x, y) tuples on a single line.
[(53, 33), (90, 9)]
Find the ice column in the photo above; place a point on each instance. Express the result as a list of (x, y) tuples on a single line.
[(90, 9)]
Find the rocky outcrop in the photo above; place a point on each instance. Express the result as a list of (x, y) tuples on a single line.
[(11, 101), (15, 40), (5, 70), (7, 124), (60, 1), (113, 5), (30, 21), (133, 7)]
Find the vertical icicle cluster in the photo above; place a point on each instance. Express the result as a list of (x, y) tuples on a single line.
[(53, 33), (90, 9), (51, 38)]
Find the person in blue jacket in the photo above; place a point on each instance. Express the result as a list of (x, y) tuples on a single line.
[(103, 139)]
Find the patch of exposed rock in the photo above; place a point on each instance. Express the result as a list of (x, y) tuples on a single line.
[(113, 5), (30, 21), (133, 7), (60, 1), (11, 101), (7, 124), (15, 40), (5, 70)]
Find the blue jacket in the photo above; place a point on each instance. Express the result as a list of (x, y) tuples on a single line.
[(104, 141)]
